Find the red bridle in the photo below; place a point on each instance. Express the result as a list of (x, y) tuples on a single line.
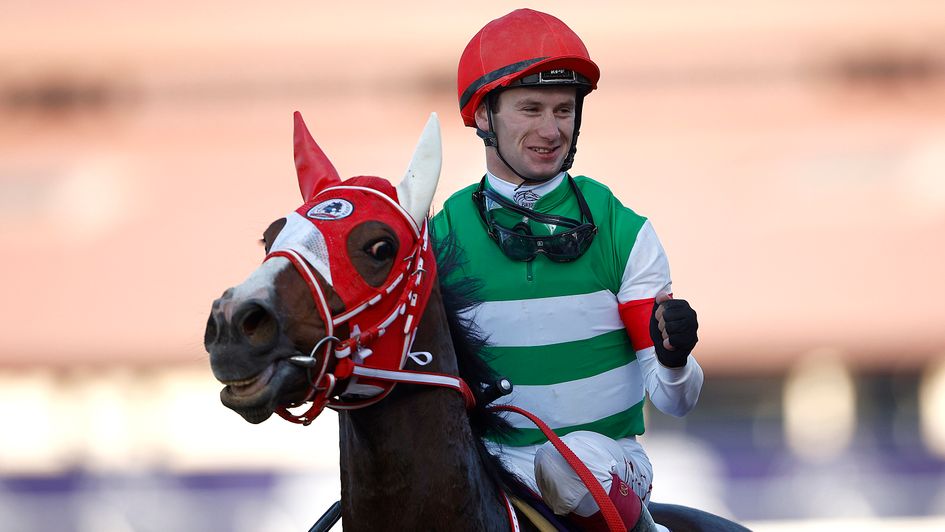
[(376, 351)]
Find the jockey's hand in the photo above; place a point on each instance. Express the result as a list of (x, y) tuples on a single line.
[(673, 327)]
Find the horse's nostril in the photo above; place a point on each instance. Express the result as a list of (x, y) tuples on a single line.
[(211, 333), (258, 325)]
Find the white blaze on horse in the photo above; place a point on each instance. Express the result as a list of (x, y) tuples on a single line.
[(345, 307)]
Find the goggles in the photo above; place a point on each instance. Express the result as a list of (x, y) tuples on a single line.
[(519, 244)]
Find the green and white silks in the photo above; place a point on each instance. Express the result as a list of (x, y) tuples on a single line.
[(555, 330)]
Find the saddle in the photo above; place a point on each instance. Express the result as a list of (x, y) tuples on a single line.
[(530, 506)]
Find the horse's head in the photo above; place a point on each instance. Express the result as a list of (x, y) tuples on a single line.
[(344, 279)]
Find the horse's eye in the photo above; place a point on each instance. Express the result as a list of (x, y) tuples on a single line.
[(381, 249)]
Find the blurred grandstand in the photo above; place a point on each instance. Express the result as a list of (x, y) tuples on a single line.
[(791, 155)]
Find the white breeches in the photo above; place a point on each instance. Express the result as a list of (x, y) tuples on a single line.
[(545, 471)]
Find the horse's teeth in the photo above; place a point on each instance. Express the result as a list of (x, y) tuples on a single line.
[(252, 385)]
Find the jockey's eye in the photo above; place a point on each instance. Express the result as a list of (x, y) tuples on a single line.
[(381, 249)]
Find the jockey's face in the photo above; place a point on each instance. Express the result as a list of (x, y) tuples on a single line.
[(534, 127)]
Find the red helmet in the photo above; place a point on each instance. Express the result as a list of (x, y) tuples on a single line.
[(520, 44)]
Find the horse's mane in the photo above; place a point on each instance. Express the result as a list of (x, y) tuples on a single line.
[(459, 294)]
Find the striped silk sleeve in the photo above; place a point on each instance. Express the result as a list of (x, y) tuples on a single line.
[(645, 275), (673, 391)]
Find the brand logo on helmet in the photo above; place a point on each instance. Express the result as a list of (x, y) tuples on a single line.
[(333, 209), (558, 74)]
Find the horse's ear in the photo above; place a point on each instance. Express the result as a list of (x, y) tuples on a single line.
[(415, 191), (314, 169)]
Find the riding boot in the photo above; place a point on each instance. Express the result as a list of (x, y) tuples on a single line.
[(629, 507)]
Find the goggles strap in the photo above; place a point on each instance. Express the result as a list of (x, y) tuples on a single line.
[(586, 215), (529, 213), (573, 226)]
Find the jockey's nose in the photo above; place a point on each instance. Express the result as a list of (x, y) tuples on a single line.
[(235, 321), (549, 127)]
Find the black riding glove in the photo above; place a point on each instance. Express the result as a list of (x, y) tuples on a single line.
[(680, 324)]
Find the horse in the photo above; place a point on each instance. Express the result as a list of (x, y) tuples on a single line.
[(346, 312)]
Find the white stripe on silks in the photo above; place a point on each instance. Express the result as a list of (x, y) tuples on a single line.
[(578, 402), (547, 320), (647, 271)]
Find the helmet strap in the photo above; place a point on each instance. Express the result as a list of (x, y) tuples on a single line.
[(491, 140), (578, 108)]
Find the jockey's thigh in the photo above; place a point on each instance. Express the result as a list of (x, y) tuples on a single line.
[(562, 489)]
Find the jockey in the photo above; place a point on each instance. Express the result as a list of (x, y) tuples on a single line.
[(576, 287)]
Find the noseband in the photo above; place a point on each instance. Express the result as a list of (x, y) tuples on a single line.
[(373, 355)]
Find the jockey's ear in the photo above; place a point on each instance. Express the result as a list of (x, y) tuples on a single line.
[(314, 169), (415, 191)]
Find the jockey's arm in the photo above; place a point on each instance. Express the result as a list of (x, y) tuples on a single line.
[(673, 391), (673, 388)]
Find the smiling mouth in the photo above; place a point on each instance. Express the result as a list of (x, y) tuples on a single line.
[(253, 385), (544, 151), (256, 397)]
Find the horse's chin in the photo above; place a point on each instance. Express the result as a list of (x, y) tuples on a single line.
[(280, 383)]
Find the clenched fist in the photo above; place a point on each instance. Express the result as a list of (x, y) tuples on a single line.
[(673, 327)]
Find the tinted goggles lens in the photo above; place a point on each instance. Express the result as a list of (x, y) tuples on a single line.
[(519, 244), (561, 247)]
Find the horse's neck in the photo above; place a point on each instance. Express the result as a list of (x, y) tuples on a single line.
[(410, 462)]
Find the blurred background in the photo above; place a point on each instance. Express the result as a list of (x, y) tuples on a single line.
[(791, 155)]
